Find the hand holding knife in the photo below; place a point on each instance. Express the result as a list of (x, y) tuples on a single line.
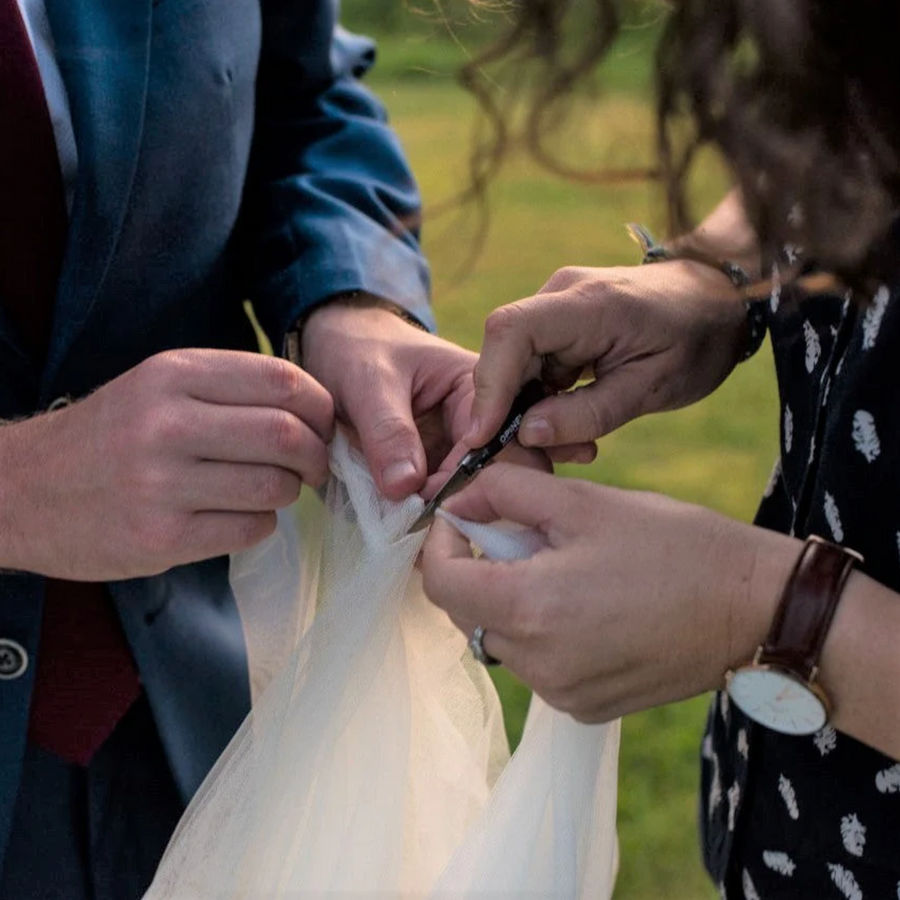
[(475, 460)]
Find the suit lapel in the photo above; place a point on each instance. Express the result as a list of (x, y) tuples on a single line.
[(103, 50)]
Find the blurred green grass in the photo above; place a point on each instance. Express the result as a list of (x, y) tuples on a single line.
[(718, 452)]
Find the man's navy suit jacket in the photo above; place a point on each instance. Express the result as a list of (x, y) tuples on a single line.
[(226, 152)]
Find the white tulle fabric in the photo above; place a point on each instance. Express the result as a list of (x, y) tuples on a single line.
[(374, 762)]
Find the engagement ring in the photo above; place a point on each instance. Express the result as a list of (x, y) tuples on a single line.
[(476, 645)]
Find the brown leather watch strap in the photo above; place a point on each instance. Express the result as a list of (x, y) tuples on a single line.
[(807, 607)]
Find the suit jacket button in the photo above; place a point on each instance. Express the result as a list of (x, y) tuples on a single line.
[(13, 659)]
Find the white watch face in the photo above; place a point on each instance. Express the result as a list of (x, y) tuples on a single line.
[(777, 700)]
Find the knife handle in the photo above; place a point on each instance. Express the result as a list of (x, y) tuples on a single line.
[(532, 392)]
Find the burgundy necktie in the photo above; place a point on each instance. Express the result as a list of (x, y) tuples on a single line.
[(85, 679)]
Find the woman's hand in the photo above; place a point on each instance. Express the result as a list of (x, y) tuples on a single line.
[(637, 600), (650, 338)]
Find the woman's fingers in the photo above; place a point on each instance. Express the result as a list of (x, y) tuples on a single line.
[(583, 454), (470, 590), (493, 643), (508, 358), (593, 410), (515, 493)]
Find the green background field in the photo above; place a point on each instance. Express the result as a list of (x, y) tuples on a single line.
[(718, 452)]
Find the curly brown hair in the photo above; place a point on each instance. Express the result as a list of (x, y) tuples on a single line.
[(802, 97)]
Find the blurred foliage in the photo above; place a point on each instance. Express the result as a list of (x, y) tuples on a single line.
[(476, 19), (435, 37)]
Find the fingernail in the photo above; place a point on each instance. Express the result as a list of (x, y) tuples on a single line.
[(398, 472), (536, 432), (474, 430)]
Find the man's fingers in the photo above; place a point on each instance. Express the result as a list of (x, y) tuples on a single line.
[(381, 413), (238, 487), (263, 435), (218, 533), (236, 378)]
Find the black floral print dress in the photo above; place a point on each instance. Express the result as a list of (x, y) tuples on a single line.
[(818, 817)]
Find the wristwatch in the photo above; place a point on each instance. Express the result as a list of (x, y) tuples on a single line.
[(778, 688)]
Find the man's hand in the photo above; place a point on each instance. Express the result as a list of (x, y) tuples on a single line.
[(405, 393), (185, 457), (650, 338), (637, 600)]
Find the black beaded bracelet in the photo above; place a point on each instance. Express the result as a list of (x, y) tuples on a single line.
[(755, 307)]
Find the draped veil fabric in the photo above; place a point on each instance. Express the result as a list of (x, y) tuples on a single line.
[(374, 762)]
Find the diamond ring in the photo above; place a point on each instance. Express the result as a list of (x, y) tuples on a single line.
[(476, 645)]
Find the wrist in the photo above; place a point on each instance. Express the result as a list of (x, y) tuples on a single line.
[(296, 339), (857, 668), (726, 233), (768, 564), (688, 248), (780, 686), (14, 502), (691, 250)]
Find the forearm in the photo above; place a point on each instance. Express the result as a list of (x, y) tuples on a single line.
[(860, 664), (330, 204)]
